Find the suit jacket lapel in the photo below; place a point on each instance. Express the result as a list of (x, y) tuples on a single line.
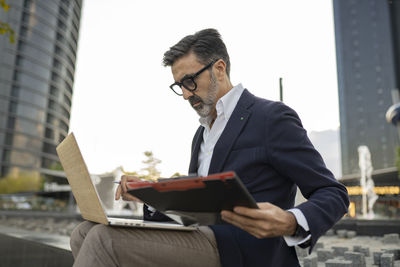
[(231, 132), (198, 138)]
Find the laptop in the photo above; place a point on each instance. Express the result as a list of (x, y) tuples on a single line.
[(86, 195)]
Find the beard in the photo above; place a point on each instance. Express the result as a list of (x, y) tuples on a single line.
[(205, 107)]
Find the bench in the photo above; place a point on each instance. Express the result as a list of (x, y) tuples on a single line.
[(20, 247)]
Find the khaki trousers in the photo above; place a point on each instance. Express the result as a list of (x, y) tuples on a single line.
[(100, 245)]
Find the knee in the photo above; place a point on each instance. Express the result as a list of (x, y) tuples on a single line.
[(78, 235), (98, 235)]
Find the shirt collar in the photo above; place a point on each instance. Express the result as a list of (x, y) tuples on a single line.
[(226, 104)]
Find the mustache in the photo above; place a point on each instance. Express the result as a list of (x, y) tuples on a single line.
[(194, 99)]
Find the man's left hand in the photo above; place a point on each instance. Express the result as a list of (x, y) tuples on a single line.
[(267, 221)]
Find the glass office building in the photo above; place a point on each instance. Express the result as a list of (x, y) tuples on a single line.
[(368, 56), (36, 82)]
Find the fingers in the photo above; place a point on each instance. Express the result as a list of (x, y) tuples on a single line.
[(122, 190), (118, 193), (257, 228), (123, 184), (263, 214), (267, 221)]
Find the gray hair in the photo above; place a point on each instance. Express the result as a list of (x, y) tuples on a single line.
[(206, 44)]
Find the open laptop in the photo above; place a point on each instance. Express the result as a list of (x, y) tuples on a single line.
[(86, 195)]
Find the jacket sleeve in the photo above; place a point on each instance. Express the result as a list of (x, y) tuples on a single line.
[(291, 153)]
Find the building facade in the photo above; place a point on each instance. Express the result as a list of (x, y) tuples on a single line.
[(36, 82), (367, 48)]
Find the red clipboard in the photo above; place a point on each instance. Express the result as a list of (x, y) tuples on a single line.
[(190, 200)]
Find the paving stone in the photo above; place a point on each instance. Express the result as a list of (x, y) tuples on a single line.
[(391, 239), (330, 232), (338, 263), (394, 251), (310, 261), (301, 253), (324, 254), (357, 258), (361, 249), (387, 260), (351, 234), (377, 257), (341, 233), (318, 245), (339, 251)]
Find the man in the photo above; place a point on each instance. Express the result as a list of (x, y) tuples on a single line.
[(264, 143)]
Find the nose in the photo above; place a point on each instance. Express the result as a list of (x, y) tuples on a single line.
[(186, 93)]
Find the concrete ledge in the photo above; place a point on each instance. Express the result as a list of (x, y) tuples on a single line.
[(369, 227), (26, 248)]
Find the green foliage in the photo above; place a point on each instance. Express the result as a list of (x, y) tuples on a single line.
[(56, 166), (177, 174), (151, 171), (24, 182), (5, 28), (4, 5)]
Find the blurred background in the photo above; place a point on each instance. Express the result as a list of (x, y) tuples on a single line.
[(94, 68)]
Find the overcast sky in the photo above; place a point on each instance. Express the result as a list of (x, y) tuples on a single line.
[(122, 105)]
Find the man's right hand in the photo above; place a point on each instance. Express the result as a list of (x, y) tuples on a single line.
[(122, 190)]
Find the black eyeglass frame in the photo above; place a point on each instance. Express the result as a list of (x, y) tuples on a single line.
[(191, 77)]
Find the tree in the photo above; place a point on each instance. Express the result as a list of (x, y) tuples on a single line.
[(151, 163), (5, 28), (177, 174), (21, 182)]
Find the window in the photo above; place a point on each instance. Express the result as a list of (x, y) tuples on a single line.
[(25, 17), (49, 148), (70, 75), (10, 122), (9, 139), (66, 100), (55, 77), (50, 119), (27, 4), (64, 126), (12, 108), (56, 64), (16, 76), (65, 112), (49, 133), (6, 155), (52, 105), (69, 88), (18, 60), (60, 38), (62, 25), (4, 171), (63, 13), (32, 97), (62, 137), (15, 91), (65, 2), (53, 91)]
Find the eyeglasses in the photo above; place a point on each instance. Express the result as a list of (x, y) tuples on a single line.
[(188, 81)]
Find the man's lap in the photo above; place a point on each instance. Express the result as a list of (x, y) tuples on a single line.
[(145, 247)]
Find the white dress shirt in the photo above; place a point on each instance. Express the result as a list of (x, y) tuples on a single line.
[(224, 107)]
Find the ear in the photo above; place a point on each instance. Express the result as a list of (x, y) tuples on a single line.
[(220, 69)]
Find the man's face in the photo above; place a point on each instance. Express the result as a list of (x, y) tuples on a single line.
[(202, 100)]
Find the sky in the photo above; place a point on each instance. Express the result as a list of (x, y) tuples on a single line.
[(122, 104)]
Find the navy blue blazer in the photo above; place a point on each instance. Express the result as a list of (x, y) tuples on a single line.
[(265, 144)]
